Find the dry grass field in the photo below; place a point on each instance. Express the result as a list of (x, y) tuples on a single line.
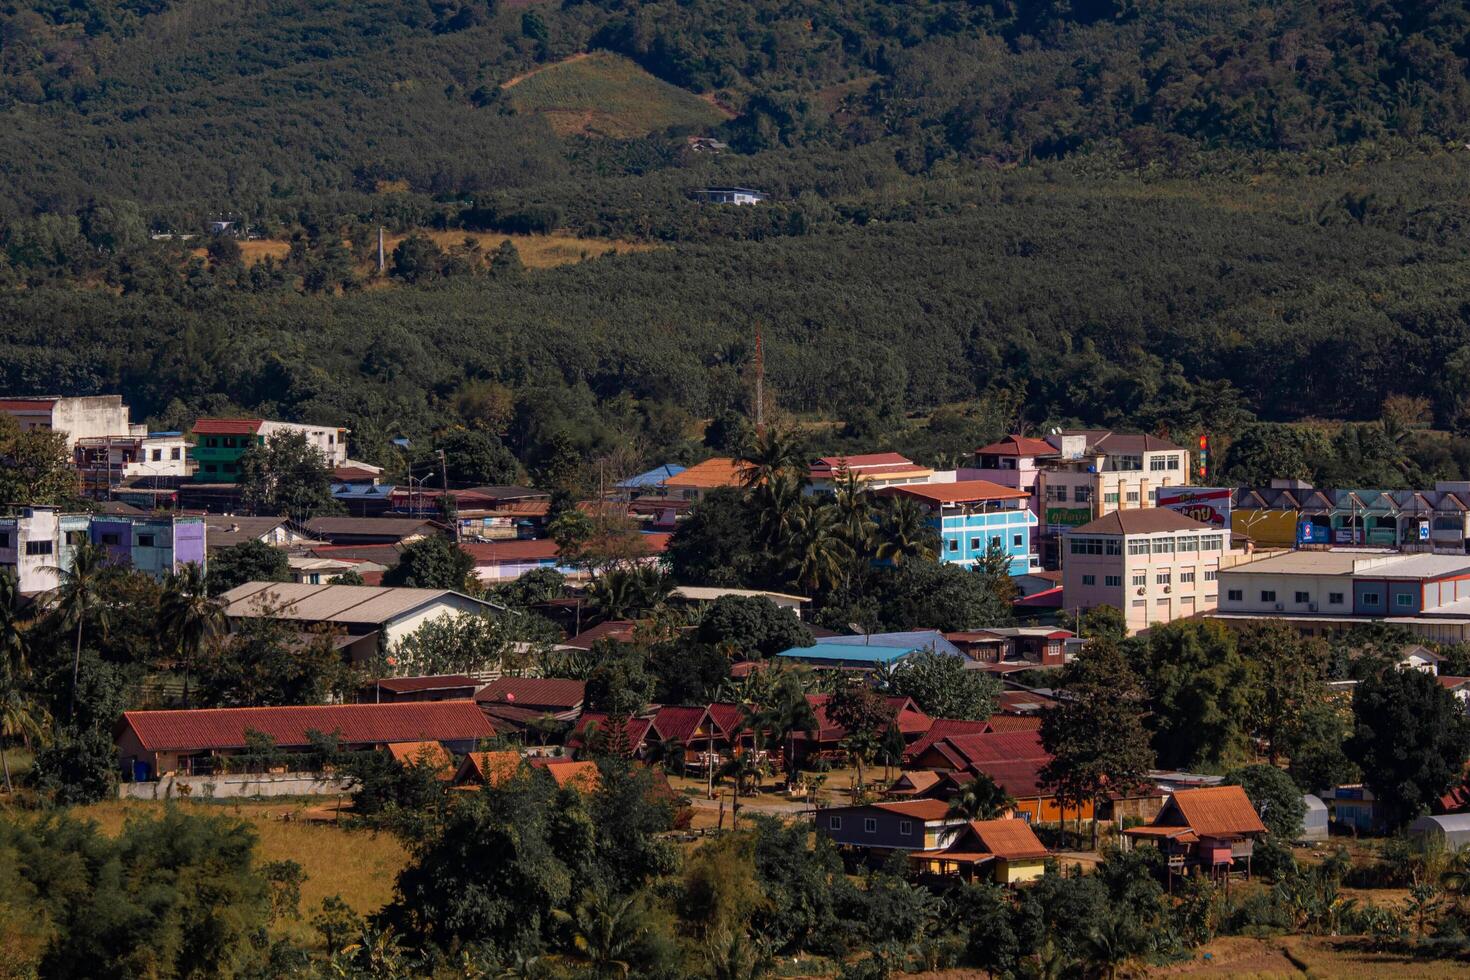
[(360, 866)]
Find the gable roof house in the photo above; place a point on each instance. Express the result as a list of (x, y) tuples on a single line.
[(1211, 828), (371, 530), (873, 831), (151, 743), (437, 687), (1013, 759), (525, 704), (1007, 849)]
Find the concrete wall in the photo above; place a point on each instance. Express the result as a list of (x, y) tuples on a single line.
[(34, 572), (330, 440), (91, 418), (231, 787)]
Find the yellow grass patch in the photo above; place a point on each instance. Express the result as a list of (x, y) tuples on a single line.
[(603, 94), (358, 865)]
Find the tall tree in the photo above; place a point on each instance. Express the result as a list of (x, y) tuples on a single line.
[(1411, 738), (942, 687), (287, 476), (1095, 733), (80, 600), (865, 714), (774, 453), (433, 562), (189, 616), (1202, 694), (906, 533), (1297, 667), (817, 554), (248, 561)]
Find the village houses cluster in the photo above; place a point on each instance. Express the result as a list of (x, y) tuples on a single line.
[(1082, 518)]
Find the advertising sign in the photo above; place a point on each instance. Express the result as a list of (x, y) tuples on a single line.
[(1208, 505), (1309, 533), (1068, 516)]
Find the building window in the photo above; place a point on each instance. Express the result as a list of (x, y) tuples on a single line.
[(1113, 581), (1086, 546), (1174, 462), (76, 538), (1082, 494), (1129, 463), (834, 823), (1057, 493), (1404, 600), (1111, 498), (1133, 496), (1301, 597), (1334, 598), (1188, 543), (1210, 542), (1089, 580), (229, 467), (1268, 595), (1018, 540), (145, 540), (1370, 598), (954, 544), (1158, 463), (210, 468), (1113, 546), (995, 540), (1163, 546), (905, 828), (158, 455), (974, 544), (870, 825), (175, 453), (1139, 547), (1140, 603), (1235, 595), (1186, 578), (38, 547), (1140, 579), (5, 540), (1163, 578)]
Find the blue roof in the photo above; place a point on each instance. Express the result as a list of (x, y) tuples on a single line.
[(868, 648), (364, 490), (653, 478), (163, 435)]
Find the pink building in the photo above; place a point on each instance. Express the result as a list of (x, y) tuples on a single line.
[(1154, 565)]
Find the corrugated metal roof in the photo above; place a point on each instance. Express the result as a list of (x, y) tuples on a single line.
[(369, 605), (1009, 839), (1216, 811), (555, 693), (410, 685), (359, 724), (227, 427), (1145, 520), (959, 492)]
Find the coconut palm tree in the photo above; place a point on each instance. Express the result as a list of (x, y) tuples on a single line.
[(189, 616), (854, 511), (775, 452), (20, 717), (980, 799), (622, 593), (905, 533), (79, 600), (13, 622), (817, 553), (786, 712), (605, 931), (777, 502)]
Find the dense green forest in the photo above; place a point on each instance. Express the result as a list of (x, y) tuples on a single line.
[(1165, 215)]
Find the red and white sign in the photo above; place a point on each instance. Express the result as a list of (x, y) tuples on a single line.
[(1208, 505)]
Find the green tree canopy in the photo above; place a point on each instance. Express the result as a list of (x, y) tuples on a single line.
[(753, 625), (287, 476), (248, 561), (942, 687), (432, 562)]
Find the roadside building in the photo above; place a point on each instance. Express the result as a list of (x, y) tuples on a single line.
[(862, 651), (105, 462), (974, 516), (228, 530), (1006, 851), (1154, 565), (219, 444), (151, 744), (370, 530), (537, 708), (78, 419), (37, 543)]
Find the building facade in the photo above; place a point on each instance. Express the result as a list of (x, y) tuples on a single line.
[(219, 444), (89, 417), (972, 516), (36, 543), (104, 462), (1153, 565), (873, 471)]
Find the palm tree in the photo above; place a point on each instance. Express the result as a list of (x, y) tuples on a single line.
[(786, 712), (980, 799), (1455, 879), (817, 553), (775, 452), (605, 931), (730, 955), (905, 533), (13, 622), (744, 769), (854, 511), (189, 616), (20, 717), (622, 593), (777, 501), (79, 598), (669, 752)]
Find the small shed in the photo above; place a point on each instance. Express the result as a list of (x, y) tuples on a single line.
[(1448, 832), (1314, 824)]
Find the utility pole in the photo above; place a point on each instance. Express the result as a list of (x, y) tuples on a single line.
[(760, 383), (444, 475)]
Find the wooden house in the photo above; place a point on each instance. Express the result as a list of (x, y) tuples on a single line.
[(1006, 851), (1210, 830)]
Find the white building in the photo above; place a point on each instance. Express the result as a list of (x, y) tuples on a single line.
[(89, 417), (106, 461), (28, 548)]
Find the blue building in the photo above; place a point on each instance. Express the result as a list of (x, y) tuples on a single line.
[(974, 515), (862, 651)]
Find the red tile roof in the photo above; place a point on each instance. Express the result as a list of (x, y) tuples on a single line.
[(227, 427), (1018, 446), (1021, 778), (728, 718), (495, 552), (25, 404), (552, 693), (1213, 811), (922, 809), (960, 492), (943, 728), (1145, 520), (359, 724), (409, 685), (678, 723), (636, 728), (911, 720)]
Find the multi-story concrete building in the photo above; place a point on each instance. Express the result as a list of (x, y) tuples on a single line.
[(1076, 476), (36, 543), (89, 417), (1321, 592), (873, 471), (221, 442), (1154, 565), (104, 462), (973, 516)]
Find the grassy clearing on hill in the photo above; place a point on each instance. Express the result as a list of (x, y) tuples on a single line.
[(358, 865), (602, 94)]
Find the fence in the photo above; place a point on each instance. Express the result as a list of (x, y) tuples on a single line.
[(227, 786)]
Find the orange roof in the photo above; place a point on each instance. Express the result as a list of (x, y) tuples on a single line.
[(923, 809), (490, 768), (1009, 839), (720, 471), (911, 783), (227, 427), (430, 754), (1216, 811), (961, 492), (581, 776)]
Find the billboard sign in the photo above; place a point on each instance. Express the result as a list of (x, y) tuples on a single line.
[(1309, 533), (1208, 505), (1068, 516)]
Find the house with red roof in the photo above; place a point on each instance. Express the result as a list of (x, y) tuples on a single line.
[(533, 706), (1006, 851), (437, 687), (1013, 759), (873, 471), (196, 742), (1213, 829), (635, 731), (828, 735)]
